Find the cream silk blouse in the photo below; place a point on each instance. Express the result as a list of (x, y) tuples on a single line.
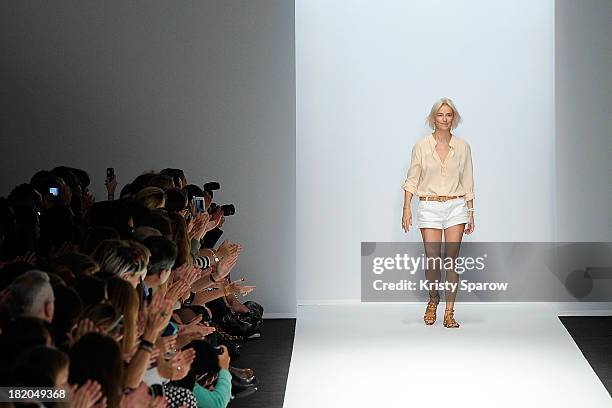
[(429, 176)]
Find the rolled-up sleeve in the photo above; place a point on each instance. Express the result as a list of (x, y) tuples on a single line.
[(467, 177), (414, 172)]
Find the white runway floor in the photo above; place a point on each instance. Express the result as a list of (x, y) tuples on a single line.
[(383, 355)]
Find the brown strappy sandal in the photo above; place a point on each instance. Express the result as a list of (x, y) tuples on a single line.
[(430, 312), (449, 319)]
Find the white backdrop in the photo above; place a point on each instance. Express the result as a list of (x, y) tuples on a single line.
[(367, 74)]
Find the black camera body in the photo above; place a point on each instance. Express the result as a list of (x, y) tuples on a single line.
[(156, 390), (210, 187), (228, 209)]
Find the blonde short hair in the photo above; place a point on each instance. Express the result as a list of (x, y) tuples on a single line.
[(122, 258), (430, 120), (151, 197)]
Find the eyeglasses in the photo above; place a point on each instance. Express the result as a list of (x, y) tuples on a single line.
[(110, 329), (200, 377)]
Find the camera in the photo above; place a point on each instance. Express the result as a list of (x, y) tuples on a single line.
[(199, 205), (211, 186), (228, 209), (156, 390)]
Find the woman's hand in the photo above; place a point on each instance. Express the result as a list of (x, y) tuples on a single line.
[(197, 228), (138, 397), (29, 257), (88, 200), (178, 366), (228, 248), (177, 290), (193, 330), (469, 228), (236, 287), (159, 313), (224, 358), (214, 220), (86, 395), (166, 344), (111, 185), (153, 357), (200, 330), (225, 266), (79, 330), (406, 219)]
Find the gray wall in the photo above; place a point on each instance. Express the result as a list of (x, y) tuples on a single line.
[(583, 98), (206, 86)]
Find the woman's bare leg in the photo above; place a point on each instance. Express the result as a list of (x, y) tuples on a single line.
[(432, 242), (452, 240)]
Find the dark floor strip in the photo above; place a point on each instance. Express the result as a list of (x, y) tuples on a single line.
[(593, 335), (269, 356)]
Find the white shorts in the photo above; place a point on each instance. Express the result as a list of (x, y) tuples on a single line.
[(442, 214)]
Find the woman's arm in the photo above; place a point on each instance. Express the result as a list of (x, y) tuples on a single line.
[(410, 186), (158, 315), (406, 212), (220, 396), (467, 177), (407, 199), (211, 254), (206, 296), (414, 174), (467, 181)]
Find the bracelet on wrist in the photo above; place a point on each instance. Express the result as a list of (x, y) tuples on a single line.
[(146, 343), (145, 348)]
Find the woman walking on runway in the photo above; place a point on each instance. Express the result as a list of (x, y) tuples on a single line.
[(440, 174)]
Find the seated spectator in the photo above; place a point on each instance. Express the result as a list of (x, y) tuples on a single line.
[(136, 285), (151, 197), (72, 264), (161, 181), (158, 220), (97, 357), (178, 176), (208, 367), (68, 307), (143, 232), (176, 201), (91, 289), (126, 301), (44, 361), (105, 318), (31, 295), (21, 334), (126, 259), (163, 255), (95, 235)]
